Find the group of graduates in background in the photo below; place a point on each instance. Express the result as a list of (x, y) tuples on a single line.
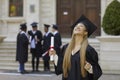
[(39, 44)]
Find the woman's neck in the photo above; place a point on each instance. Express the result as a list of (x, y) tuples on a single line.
[(78, 40), (77, 46)]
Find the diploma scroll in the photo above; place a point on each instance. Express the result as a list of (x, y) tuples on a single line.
[(52, 42), (51, 47), (44, 53)]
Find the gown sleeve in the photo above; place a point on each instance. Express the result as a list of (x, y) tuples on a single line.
[(92, 58), (58, 67)]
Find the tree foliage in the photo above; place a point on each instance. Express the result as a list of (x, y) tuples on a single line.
[(111, 18)]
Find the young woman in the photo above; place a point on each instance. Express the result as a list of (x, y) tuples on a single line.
[(78, 60)]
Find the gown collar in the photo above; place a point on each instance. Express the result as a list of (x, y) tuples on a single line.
[(74, 53)]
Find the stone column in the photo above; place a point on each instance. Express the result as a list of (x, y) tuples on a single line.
[(47, 12), (3, 28)]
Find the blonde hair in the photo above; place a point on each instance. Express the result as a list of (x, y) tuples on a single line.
[(67, 56)]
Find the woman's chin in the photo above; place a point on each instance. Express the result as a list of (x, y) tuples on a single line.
[(77, 34)]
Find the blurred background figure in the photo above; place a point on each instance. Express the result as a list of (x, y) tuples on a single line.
[(22, 48), (46, 46), (57, 39), (35, 38)]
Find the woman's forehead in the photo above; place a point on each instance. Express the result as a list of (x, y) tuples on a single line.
[(80, 24)]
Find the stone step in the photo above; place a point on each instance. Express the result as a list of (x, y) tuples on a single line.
[(3, 50), (7, 54), (26, 68), (7, 47), (15, 64), (9, 60), (9, 51), (8, 44), (12, 65), (13, 60)]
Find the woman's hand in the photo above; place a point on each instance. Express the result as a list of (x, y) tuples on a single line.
[(52, 52), (87, 66)]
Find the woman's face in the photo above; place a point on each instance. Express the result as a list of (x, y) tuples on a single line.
[(79, 29)]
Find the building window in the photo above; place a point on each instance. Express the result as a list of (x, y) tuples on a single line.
[(15, 8)]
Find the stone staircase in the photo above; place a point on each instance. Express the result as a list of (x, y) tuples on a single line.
[(8, 54)]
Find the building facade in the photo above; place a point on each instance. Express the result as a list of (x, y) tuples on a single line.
[(45, 11), (61, 12)]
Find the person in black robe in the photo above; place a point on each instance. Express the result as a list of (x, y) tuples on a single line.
[(57, 39), (78, 60), (22, 48), (35, 38), (46, 46)]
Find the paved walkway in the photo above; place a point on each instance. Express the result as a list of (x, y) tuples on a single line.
[(44, 76)]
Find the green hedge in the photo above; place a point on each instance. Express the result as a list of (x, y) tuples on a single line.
[(111, 18)]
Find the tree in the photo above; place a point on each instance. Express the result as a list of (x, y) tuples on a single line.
[(111, 18)]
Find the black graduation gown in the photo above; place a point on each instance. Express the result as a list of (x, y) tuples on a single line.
[(38, 47), (57, 42), (22, 48), (46, 45), (74, 73)]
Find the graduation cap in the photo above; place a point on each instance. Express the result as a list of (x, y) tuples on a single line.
[(34, 24), (88, 24), (46, 25), (23, 26), (55, 27)]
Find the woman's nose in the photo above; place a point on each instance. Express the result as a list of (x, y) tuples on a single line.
[(78, 27)]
